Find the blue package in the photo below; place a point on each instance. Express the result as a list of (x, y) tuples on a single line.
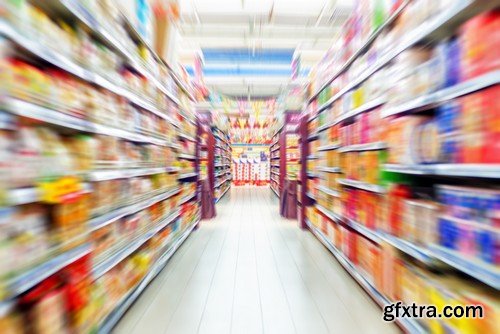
[(452, 62), (485, 242), (471, 206), (495, 213), (449, 149), (448, 234), (447, 117)]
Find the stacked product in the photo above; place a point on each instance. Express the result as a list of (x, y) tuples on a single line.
[(399, 133), (249, 171), (250, 164), (90, 205), (241, 172)]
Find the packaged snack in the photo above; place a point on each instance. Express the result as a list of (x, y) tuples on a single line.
[(10, 319), (479, 53), (420, 221), (402, 137)]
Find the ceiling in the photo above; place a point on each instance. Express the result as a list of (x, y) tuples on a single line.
[(248, 45)]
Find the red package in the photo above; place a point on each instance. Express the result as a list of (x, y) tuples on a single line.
[(395, 198), (481, 54)]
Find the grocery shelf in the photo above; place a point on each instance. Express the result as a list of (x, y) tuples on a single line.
[(312, 157), (366, 44), (185, 136), (363, 185), (330, 147), (487, 274), (112, 319), (221, 173), (274, 172), (275, 191), (78, 10), (431, 100), (133, 31), (28, 279), (68, 65), (187, 118), (105, 266), (418, 252), (363, 147), (20, 196), (216, 135), (187, 198), (314, 135), (275, 149), (438, 25), (312, 175), (181, 85), (186, 175), (221, 182), (108, 218), (331, 215), (328, 191), (220, 197), (354, 112), (361, 109), (103, 175), (459, 170), (51, 116), (186, 156), (278, 130), (409, 325), (310, 195), (329, 169), (7, 121), (483, 272), (176, 146)]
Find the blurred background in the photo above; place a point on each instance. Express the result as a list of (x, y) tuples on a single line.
[(384, 114)]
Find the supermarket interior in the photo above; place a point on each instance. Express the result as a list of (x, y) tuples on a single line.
[(249, 166)]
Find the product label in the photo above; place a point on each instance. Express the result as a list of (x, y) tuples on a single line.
[(59, 190)]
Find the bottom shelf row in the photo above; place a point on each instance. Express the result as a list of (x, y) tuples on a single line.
[(388, 275), (408, 325), (220, 192), (132, 294), (82, 297)]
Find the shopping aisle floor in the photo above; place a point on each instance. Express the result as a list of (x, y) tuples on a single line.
[(250, 271)]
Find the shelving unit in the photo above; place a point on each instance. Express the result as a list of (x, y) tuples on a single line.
[(222, 164), (276, 165), (90, 212), (349, 167), (284, 154)]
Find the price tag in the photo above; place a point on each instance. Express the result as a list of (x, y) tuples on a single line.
[(57, 190)]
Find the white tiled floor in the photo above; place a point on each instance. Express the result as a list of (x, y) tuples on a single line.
[(250, 271)]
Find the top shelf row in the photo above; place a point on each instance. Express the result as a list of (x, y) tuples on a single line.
[(444, 22), (79, 11), (113, 36)]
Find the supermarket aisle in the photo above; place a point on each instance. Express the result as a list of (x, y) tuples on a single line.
[(250, 271)]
